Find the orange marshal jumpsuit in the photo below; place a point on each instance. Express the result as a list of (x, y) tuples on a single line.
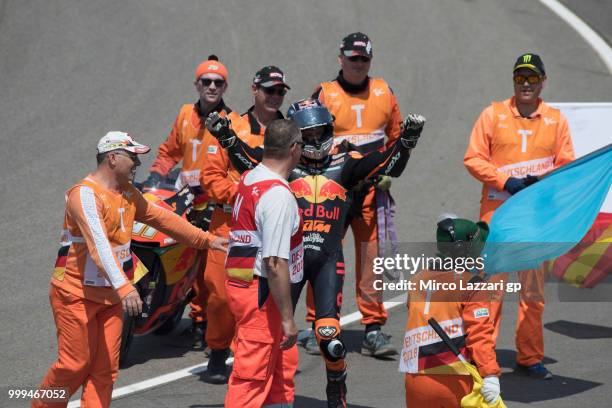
[(89, 282), (364, 119), (220, 181), (434, 375), (503, 144), (185, 143)]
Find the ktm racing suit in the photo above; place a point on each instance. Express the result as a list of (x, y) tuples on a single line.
[(322, 190)]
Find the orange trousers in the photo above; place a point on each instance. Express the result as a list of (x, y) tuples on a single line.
[(200, 298), (365, 234), (436, 391), (88, 342), (529, 335), (263, 374), (220, 328)]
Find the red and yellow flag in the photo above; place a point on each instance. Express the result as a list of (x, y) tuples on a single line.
[(589, 262)]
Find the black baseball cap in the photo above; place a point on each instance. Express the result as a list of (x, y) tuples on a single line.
[(270, 76), (356, 44), (530, 61)]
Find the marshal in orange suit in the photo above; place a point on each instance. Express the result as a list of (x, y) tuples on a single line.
[(512, 143), (434, 377), (89, 289), (186, 143)]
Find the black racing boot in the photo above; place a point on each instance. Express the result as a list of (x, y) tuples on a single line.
[(336, 389), (216, 372)]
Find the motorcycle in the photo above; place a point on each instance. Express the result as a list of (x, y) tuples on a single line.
[(163, 270)]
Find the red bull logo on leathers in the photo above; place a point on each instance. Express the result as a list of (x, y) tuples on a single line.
[(317, 189)]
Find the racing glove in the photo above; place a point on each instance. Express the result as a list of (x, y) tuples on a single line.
[(153, 181), (514, 185), (219, 127), (411, 130), (490, 389)]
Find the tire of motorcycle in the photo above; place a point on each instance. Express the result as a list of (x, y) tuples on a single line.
[(127, 335), (172, 321)]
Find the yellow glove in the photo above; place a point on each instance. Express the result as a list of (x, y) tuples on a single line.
[(384, 183)]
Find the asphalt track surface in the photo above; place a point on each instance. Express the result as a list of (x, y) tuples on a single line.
[(72, 70)]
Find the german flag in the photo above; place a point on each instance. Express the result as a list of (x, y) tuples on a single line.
[(134, 269), (436, 358), (589, 262), (240, 261), (60, 262)]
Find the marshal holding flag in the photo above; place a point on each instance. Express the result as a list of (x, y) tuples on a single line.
[(549, 218)]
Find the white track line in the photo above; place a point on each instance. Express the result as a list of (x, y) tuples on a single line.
[(600, 46), (199, 368)]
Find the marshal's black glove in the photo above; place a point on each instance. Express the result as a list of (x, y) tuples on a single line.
[(219, 127), (411, 130), (514, 185)]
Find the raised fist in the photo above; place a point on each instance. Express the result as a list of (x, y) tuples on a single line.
[(219, 127), (411, 130)]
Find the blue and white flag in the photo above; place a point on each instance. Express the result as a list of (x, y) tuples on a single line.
[(550, 217)]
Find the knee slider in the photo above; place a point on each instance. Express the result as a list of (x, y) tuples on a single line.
[(327, 331)]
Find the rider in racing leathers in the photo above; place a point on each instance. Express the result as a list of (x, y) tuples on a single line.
[(321, 183)]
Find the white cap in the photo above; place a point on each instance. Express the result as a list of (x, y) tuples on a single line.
[(120, 140)]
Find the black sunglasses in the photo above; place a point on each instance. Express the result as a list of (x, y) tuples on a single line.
[(207, 81), (360, 58), (275, 91)]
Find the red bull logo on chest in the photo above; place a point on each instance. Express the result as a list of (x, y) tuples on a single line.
[(317, 189), (319, 211)]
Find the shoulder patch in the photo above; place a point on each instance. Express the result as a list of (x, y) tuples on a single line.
[(212, 149), (481, 312)]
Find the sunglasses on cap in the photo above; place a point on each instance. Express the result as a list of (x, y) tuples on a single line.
[(207, 81), (360, 58), (532, 79), (275, 91)]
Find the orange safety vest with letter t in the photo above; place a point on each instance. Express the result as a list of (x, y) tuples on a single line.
[(363, 119), (503, 144)]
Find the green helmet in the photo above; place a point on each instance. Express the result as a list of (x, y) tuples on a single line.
[(458, 237)]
